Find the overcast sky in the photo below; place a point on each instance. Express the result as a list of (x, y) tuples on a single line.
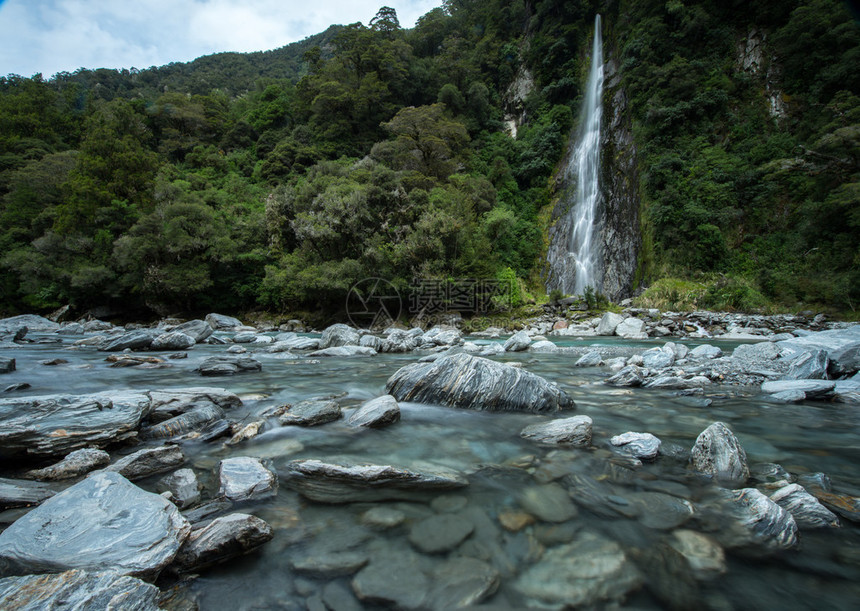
[(51, 36)]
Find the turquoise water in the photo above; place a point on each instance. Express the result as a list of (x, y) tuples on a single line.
[(823, 573)]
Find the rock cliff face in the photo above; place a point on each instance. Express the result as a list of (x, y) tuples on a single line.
[(617, 219)]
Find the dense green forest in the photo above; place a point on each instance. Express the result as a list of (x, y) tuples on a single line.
[(276, 180)]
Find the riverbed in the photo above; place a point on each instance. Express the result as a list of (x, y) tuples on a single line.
[(515, 537)]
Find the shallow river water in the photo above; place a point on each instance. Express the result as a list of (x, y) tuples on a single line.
[(508, 476)]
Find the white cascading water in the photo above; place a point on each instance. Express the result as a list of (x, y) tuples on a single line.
[(581, 266)]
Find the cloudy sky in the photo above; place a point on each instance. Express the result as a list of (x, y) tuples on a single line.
[(51, 36)]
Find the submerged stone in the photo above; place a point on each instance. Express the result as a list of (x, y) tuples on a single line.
[(805, 508), (440, 533), (575, 431)]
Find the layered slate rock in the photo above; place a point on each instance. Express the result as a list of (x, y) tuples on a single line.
[(575, 431), (183, 487), (34, 324), (228, 365), (585, 572), (75, 464), (767, 524), (78, 590), (244, 478), (222, 539), (194, 419), (54, 425), (169, 402), (311, 413), (222, 321), (842, 347), (22, 493), (812, 389), (718, 454), (471, 382), (101, 523), (148, 461), (376, 413), (134, 340), (805, 508), (643, 446), (175, 340), (329, 482), (199, 330)]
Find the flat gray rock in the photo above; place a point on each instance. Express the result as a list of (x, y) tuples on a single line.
[(472, 382), (134, 340), (148, 461), (813, 389), (805, 508), (344, 351), (329, 564), (440, 533), (199, 330), (77, 463), (222, 539), (810, 365), (460, 583), (194, 419), (543, 345), (344, 483), (101, 523), (78, 590), (393, 579), (842, 347), (789, 396), (657, 359), (588, 571), (54, 425), (22, 493), (718, 453), (376, 413), (575, 431), (311, 413), (228, 365), (631, 375), (35, 324), (706, 351), (169, 402), (244, 478), (630, 328)]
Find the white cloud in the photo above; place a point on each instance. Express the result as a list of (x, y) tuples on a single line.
[(50, 36)]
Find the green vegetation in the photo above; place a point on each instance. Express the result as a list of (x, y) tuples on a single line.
[(278, 179)]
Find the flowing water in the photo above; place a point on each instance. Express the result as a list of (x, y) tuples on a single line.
[(506, 474), (577, 264)]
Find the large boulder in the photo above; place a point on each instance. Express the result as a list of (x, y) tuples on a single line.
[(34, 324), (471, 382), (221, 321), (717, 453), (842, 347), (766, 523), (133, 340), (311, 413), (78, 590), (631, 328), (517, 342), (222, 539), (330, 482), (643, 446), (609, 323), (199, 330), (101, 523), (339, 335), (175, 340), (54, 425)]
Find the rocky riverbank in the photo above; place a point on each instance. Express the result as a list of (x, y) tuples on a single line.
[(102, 498)]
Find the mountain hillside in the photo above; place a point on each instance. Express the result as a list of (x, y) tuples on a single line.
[(279, 179)]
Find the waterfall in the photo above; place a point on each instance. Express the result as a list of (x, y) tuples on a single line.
[(575, 256)]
